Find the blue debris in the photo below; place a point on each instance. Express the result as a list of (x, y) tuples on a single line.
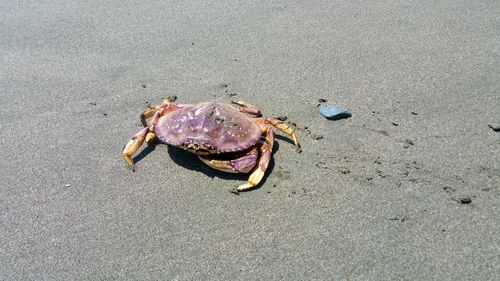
[(333, 112)]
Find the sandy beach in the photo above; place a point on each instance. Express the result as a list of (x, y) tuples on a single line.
[(405, 189)]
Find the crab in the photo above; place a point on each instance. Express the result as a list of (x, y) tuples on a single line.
[(233, 139)]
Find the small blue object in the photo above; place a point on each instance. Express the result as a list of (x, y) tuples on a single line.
[(333, 112)]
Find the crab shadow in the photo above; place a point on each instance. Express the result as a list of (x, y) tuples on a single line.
[(191, 162)]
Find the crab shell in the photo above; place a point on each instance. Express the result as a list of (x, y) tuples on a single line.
[(208, 128)]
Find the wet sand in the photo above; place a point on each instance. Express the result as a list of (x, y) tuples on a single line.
[(405, 189)]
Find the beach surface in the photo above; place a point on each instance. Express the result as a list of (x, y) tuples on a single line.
[(405, 189)]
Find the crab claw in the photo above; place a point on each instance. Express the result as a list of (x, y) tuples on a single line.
[(133, 146)]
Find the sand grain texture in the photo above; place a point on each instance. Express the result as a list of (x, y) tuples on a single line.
[(378, 196)]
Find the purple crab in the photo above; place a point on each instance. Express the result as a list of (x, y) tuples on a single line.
[(227, 138)]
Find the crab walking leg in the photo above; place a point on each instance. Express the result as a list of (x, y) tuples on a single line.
[(265, 156), (248, 108), (243, 164), (151, 136), (148, 113), (282, 126), (133, 146)]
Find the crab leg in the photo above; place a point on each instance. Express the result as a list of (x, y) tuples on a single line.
[(248, 108), (148, 113), (133, 146), (151, 136), (265, 156), (243, 164), (282, 126)]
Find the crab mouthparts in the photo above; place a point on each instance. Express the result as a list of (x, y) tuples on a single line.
[(198, 146)]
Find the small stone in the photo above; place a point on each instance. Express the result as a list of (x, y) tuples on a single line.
[(494, 126), (282, 118), (144, 86), (394, 124), (67, 185), (231, 94), (322, 100), (465, 200), (408, 143), (414, 113), (448, 188), (316, 137), (344, 171), (333, 112)]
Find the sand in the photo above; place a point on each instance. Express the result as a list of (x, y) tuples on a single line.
[(405, 189)]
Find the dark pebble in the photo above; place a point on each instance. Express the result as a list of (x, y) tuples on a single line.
[(494, 126), (282, 118), (395, 124), (465, 200), (448, 188), (408, 143), (344, 171), (316, 137), (322, 100), (144, 86)]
